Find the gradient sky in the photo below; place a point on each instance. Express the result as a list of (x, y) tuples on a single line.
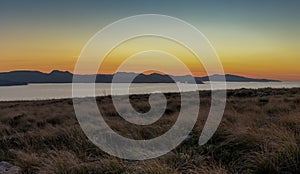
[(252, 38)]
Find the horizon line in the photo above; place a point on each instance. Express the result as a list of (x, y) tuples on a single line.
[(154, 72)]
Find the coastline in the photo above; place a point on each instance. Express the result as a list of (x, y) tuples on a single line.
[(63, 91), (246, 92)]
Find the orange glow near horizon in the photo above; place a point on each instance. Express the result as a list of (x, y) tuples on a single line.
[(148, 52), (242, 61), (257, 39)]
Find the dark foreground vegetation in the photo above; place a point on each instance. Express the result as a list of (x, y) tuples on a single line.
[(259, 133)]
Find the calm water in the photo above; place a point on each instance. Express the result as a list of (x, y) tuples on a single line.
[(56, 91)]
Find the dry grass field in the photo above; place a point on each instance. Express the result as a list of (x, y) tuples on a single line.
[(259, 133)]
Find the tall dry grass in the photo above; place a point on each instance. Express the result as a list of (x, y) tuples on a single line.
[(259, 133)]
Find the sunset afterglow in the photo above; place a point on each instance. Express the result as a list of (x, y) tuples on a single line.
[(258, 39)]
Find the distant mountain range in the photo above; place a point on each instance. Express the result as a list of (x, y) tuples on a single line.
[(10, 83), (235, 78), (24, 77)]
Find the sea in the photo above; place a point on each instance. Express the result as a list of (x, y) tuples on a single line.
[(64, 90)]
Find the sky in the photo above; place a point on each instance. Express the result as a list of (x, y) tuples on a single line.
[(252, 38)]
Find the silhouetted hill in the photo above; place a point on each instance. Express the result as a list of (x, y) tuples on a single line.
[(25, 77), (37, 77), (56, 76), (235, 78), (123, 77), (11, 83)]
